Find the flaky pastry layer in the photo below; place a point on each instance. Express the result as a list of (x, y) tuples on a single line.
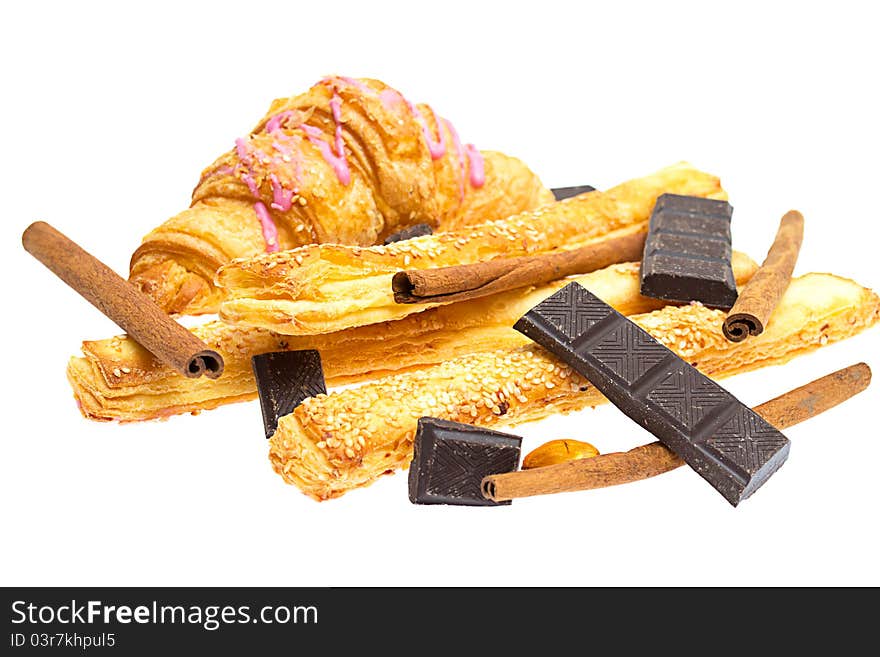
[(116, 379), (325, 288), (333, 443)]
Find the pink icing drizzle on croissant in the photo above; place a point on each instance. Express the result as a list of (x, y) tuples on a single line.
[(274, 124), (270, 230), (282, 198), (267, 225), (336, 160), (391, 98), (477, 169), (354, 82), (436, 148), (470, 161)]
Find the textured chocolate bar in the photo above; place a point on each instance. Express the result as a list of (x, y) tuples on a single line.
[(284, 379), (727, 443), (687, 252), (408, 233), (450, 460), (560, 193)]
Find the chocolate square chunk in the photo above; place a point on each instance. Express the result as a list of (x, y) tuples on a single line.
[(727, 443), (688, 250), (561, 193), (450, 460), (417, 230), (284, 380)]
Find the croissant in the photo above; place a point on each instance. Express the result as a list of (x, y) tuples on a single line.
[(117, 379), (324, 288), (350, 162), (333, 443)]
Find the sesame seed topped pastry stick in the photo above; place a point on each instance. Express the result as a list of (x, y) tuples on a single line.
[(328, 287), (116, 379), (350, 161), (333, 443)]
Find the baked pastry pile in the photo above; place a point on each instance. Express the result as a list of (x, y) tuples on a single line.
[(282, 238), (117, 379)]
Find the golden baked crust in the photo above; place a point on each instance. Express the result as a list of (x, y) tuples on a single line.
[(327, 287), (116, 379), (349, 161), (347, 439)]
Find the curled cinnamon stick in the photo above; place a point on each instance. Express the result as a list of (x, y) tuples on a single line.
[(655, 458), (461, 282), (759, 297), (132, 310)]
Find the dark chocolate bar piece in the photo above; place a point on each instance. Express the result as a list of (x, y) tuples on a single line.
[(408, 233), (687, 252), (284, 379), (561, 193), (727, 443), (450, 460)]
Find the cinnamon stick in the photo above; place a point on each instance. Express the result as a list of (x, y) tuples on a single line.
[(759, 297), (655, 458), (461, 282), (132, 310)]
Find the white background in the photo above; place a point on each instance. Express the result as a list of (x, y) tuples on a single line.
[(108, 116)]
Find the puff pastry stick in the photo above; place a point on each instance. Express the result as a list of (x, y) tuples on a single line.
[(118, 380), (347, 439), (325, 288), (349, 161)]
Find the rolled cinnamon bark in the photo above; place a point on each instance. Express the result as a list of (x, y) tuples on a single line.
[(462, 282), (759, 297), (655, 458), (132, 310)]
